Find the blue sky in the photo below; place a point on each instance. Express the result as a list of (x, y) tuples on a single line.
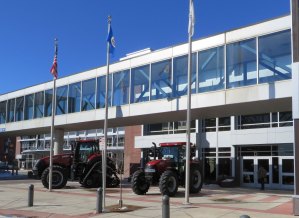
[(28, 29)]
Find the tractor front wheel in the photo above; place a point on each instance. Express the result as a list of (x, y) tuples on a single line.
[(195, 180), (59, 177), (168, 183), (140, 185)]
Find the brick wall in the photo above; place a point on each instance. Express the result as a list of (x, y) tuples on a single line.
[(131, 155)]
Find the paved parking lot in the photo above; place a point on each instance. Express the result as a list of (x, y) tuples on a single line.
[(74, 201)]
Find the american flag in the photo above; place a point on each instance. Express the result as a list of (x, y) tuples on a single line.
[(54, 70)]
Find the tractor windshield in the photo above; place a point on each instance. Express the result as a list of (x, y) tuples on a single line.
[(175, 153)]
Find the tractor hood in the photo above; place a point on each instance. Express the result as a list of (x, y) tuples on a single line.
[(153, 163), (62, 159)]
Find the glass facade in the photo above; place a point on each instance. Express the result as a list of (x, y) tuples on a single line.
[(263, 59), (101, 90), (48, 102), (161, 80), (19, 109), (10, 116), (241, 63), (275, 57), (180, 75), (140, 84), (28, 110), (74, 98), (121, 88), (39, 105), (61, 100), (88, 95), (211, 69)]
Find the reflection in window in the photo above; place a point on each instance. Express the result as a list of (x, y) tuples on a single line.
[(121, 85), (241, 63), (180, 75), (48, 102), (211, 69), (101, 92), (88, 94), (140, 84), (2, 112), (61, 100), (10, 110), (161, 78), (285, 119), (28, 112), (275, 57), (39, 105), (74, 97), (19, 109)]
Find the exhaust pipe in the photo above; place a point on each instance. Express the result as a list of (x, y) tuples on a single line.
[(155, 147)]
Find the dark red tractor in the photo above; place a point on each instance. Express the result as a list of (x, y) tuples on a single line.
[(168, 171), (82, 163)]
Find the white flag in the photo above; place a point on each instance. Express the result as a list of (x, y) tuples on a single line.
[(191, 19)]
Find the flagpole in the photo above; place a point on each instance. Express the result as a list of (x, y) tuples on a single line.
[(104, 152), (187, 176), (53, 117)]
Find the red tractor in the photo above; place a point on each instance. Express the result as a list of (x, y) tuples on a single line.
[(83, 163), (168, 170)]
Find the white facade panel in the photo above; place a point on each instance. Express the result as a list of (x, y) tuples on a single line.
[(209, 42), (259, 29)]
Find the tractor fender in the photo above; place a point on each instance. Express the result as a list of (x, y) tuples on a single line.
[(91, 169)]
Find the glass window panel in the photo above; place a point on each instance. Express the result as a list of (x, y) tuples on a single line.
[(180, 75), (19, 109), (28, 112), (211, 69), (121, 88), (140, 84), (248, 165), (88, 94), (10, 111), (74, 97), (61, 100), (241, 63), (39, 105), (275, 57), (255, 121), (161, 78), (2, 112), (102, 90), (287, 165), (285, 119), (288, 180), (48, 102)]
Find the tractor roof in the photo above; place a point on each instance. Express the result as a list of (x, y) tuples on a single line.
[(169, 144)]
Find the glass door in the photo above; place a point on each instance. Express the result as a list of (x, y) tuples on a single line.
[(287, 172), (265, 163), (247, 171)]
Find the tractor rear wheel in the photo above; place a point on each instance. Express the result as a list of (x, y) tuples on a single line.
[(94, 180), (168, 183), (195, 180), (59, 177), (140, 185)]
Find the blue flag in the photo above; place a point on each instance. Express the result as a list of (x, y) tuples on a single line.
[(111, 41)]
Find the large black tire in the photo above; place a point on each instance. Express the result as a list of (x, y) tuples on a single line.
[(140, 185), (169, 183), (195, 180), (59, 177)]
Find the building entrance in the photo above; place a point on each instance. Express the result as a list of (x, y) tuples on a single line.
[(280, 171)]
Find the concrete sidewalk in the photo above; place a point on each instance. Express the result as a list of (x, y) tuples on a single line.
[(74, 201)]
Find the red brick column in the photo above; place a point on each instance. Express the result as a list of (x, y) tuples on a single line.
[(131, 155)]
